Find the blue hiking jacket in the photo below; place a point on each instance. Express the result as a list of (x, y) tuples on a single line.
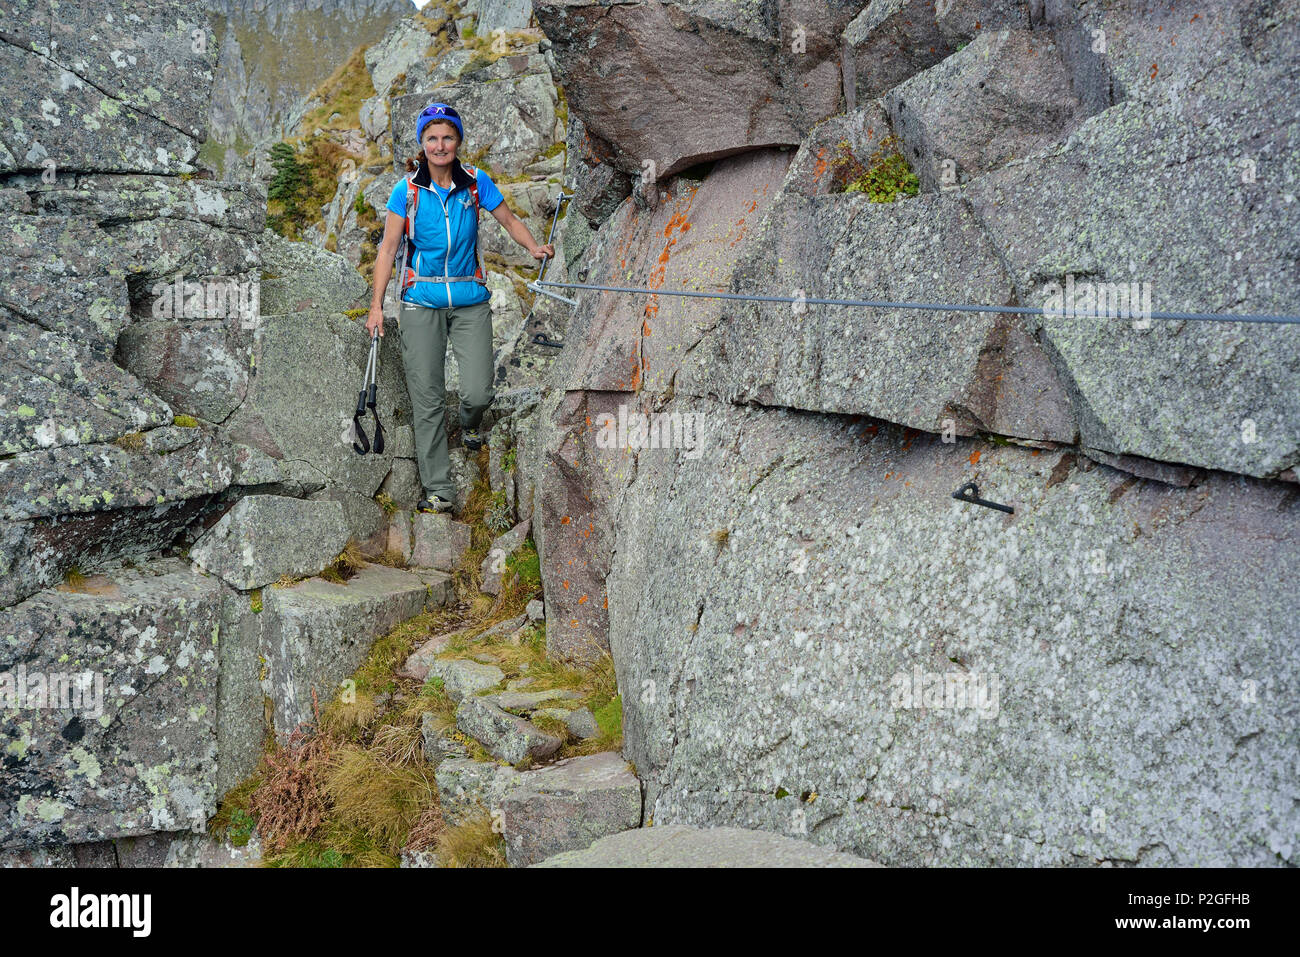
[(446, 236)]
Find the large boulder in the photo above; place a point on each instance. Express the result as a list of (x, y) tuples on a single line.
[(128, 745), (768, 77), (680, 845), (1003, 96), (504, 735), (891, 40), (266, 537), (310, 357)]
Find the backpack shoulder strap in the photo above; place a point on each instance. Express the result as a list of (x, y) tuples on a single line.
[(412, 203), (473, 187)]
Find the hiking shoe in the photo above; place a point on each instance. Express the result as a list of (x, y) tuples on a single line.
[(472, 439), (433, 503)]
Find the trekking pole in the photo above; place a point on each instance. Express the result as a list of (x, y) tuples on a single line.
[(366, 399), (378, 445), (541, 273)]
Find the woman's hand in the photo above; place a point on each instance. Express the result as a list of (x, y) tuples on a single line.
[(376, 321), (538, 252)]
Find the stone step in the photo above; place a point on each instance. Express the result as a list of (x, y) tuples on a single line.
[(504, 735), (264, 537), (310, 636), (679, 845), (568, 805), (438, 541)]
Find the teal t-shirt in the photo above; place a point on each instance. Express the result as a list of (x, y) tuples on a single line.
[(446, 234)]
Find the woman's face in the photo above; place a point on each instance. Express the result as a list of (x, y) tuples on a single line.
[(440, 142)]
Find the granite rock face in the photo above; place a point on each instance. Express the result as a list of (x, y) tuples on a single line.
[(762, 74), (108, 707), (1068, 724), (125, 95), (165, 356)]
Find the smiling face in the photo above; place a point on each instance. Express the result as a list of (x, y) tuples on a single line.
[(439, 144)]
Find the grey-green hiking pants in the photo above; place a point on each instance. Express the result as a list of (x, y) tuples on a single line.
[(424, 331)]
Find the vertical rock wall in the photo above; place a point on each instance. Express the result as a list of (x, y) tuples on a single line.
[(811, 635)]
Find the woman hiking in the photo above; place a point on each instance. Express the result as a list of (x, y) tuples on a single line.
[(443, 291)]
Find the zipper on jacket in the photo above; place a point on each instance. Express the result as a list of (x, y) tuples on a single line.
[(446, 217)]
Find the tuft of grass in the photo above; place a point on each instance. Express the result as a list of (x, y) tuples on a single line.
[(74, 579), (472, 843), (132, 441), (385, 501), (392, 558), (379, 798), (346, 565), (348, 719), (498, 517), (610, 718), (255, 601)]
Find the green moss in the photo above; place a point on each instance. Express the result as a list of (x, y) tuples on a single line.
[(185, 421), (255, 601), (781, 793), (525, 563), (610, 718)]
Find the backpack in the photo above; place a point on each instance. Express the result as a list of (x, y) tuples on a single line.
[(406, 249)]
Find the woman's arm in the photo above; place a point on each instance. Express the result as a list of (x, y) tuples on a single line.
[(520, 234), (384, 270)]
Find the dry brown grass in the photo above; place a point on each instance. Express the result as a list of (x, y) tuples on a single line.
[(346, 720), (380, 799), (349, 562), (471, 843), (425, 833), (131, 442), (392, 558)]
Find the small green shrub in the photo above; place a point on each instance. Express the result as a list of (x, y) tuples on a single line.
[(884, 177)]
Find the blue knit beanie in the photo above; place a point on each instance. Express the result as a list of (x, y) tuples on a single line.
[(437, 111)]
